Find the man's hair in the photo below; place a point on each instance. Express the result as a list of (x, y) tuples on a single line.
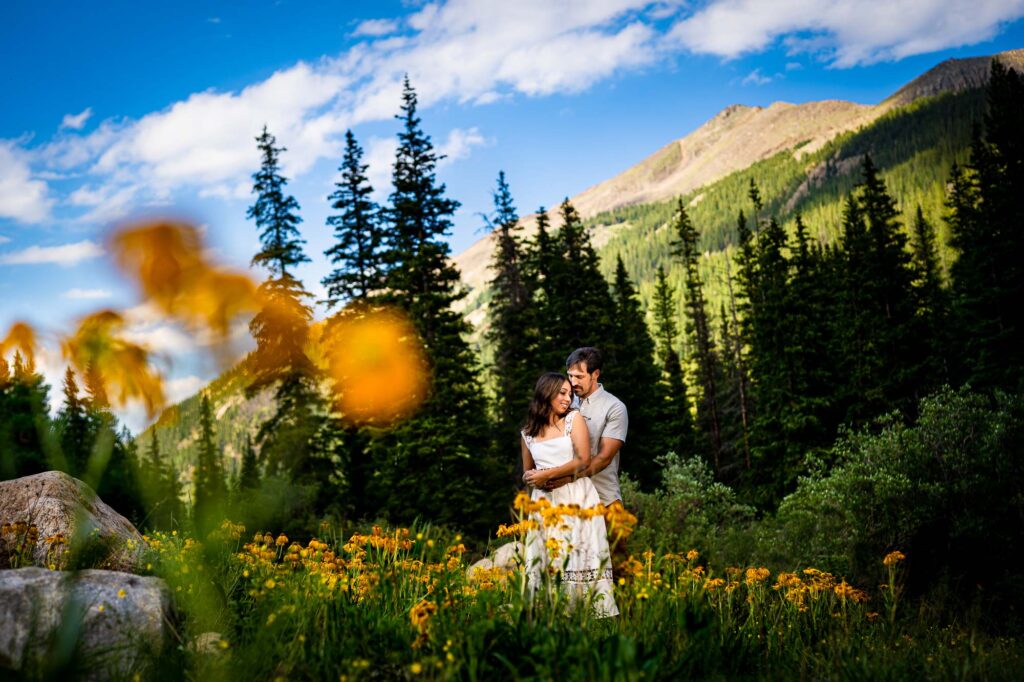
[(588, 355)]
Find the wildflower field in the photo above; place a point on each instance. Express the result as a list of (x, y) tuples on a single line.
[(403, 603)]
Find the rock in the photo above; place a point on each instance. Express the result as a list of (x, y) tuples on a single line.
[(117, 632), (207, 643), (508, 556), (60, 506), (483, 565)]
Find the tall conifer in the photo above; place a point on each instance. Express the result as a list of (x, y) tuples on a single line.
[(357, 232), (636, 382), (986, 215), (512, 332), (210, 484), (698, 328), (441, 453), (677, 425)]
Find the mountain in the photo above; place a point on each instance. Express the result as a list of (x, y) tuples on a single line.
[(805, 157), (736, 138)]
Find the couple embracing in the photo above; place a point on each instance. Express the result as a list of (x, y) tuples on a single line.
[(570, 447)]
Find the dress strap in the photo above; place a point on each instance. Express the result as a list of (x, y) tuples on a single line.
[(528, 439), (569, 419)]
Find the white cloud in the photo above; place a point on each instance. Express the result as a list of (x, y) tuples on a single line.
[(213, 20), (182, 387), (64, 255), (756, 78), (793, 66), (379, 156), (22, 197), (4, 240), (465, 51), (86, 294), (375, 28), (460, 143), (845, 33), (76, 121)]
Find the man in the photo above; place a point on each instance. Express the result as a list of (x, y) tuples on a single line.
[(607, 421)]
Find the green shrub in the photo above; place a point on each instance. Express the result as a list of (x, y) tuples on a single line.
[(948, 491), (690, 511)]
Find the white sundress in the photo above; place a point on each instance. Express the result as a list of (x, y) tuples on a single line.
[(584, 562)]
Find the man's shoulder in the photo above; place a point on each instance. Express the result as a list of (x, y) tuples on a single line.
[(612, 400)]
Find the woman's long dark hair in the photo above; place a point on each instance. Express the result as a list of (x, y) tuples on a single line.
[(539, 414)]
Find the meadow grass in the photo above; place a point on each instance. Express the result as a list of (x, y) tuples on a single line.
[(403, 603)]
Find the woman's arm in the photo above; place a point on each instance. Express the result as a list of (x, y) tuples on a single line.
[(528, 464), (579, 462)]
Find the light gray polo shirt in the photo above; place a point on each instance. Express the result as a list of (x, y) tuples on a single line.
[(606, 418)]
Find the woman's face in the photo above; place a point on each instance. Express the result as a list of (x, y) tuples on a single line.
[(562, 401)]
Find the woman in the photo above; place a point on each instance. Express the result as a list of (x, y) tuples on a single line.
[(555, 443)]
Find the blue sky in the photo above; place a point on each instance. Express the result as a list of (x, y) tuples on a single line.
[(118, 109)]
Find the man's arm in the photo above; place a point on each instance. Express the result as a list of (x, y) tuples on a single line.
[(612, 438), (607, 449)]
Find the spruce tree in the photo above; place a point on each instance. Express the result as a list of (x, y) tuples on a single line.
[(676, 427), (289, 439), (24, 421), (73, 425), (986, 215), (575, 305), (249, 478), (932, 305), (161, 487), (542, 262), (210, 485), (637, 382), (698, 329), (880, 349), (512, 331), (441, 453), (281, 327), (358, 274)]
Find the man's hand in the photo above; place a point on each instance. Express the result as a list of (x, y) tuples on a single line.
[(555, 483)]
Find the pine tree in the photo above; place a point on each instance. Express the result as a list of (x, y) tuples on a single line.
[(985, 218), (512, 332), (637, 382), (698, 328), (676, 427), (249, 478), (932, 305), (23, 421), (357, 233), (73, 425), (577, 306), (290, 439), (161, 487), (281, 327), (541, 263), (210, 485), (441, 453), (881, 350)]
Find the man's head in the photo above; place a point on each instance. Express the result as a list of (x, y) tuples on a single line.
[(584, 368)]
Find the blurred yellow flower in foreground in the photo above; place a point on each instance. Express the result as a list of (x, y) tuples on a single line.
[(121, 368), (378, 365), (23, 338), (167, 261)]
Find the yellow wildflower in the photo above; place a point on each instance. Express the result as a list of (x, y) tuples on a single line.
[(893, 558)]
